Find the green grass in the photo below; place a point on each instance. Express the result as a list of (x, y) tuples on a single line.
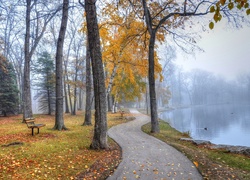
[(234, 160), (50, 154)]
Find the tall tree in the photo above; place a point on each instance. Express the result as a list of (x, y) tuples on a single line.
[(9, 100), (59, 122), (30, 45), (27, 106), (163, 17), (100, 130), (45, 83), (88, 79)]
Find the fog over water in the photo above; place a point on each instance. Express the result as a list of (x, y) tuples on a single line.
[(221, 124)]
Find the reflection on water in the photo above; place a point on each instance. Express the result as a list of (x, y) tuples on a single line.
[(220, 124)]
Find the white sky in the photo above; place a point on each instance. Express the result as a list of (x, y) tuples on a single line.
[(227, 53)]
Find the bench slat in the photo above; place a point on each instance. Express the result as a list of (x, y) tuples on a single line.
[(31, 124), (36, 125), (29, 120)]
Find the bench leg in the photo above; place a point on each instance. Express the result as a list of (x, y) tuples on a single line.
[(32, 131), (37, 130)]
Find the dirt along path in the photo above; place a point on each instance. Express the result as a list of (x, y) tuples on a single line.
[(147, 158)]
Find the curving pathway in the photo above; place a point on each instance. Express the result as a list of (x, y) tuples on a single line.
[(147, 158)]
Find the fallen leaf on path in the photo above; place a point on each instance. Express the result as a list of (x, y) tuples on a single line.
[(196, 163), (156, 171)]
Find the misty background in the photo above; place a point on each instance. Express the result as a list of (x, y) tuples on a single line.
[(210, 89)]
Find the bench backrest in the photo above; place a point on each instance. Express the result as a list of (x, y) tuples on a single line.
[(30, 122)]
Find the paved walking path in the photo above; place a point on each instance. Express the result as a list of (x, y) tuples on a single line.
[(147, 158)]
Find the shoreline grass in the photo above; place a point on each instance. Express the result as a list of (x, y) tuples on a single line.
[(212, 164)]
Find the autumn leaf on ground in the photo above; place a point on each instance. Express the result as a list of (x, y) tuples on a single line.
[(196, 163), (156, 171)]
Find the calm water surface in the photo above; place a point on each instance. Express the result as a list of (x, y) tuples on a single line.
[(220, 124)]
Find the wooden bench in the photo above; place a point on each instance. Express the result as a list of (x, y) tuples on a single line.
[(31, 124), (122, 112)]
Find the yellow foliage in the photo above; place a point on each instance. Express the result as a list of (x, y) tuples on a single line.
[(124, 41), (126, 47)]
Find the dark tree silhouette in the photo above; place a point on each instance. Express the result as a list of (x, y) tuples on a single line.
[(9, 100)]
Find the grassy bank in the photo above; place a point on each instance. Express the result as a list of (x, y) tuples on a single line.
[(54, 154), (212, 164)]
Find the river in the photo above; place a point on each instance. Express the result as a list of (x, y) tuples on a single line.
[(219, 124)]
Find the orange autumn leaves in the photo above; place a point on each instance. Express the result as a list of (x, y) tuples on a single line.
[(53, 154), (124, 43)]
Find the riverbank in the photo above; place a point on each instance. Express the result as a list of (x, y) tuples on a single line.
[(244, 150), (212, 163)]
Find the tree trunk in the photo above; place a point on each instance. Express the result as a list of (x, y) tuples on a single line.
[(65, 86), (75, 94), (87, 120), (114, 105), (4, 113), (49, 102), (68, 103), (27, 105), (151, 79), (59, 122), (112, 77), (75, 83), (151, 74), (100, 131), (80, 98), (69, 94), (29, 50), (109, 102), (48, 95), (109, 88), (147, 98), (66, 95)]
